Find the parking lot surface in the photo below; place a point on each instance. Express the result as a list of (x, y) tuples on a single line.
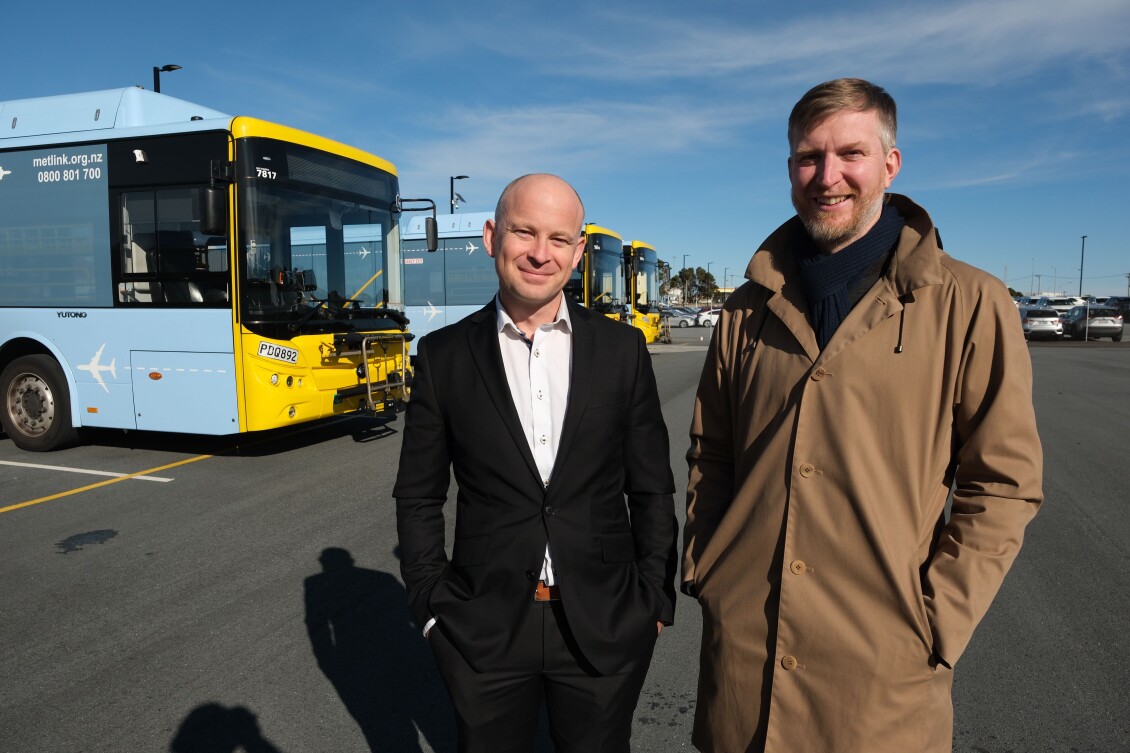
[(171, 592)]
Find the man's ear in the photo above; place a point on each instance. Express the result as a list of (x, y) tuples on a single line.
[(488, 237), (894, 164), (579, 251)]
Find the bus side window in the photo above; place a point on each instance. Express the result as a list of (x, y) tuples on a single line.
[(164, 258)]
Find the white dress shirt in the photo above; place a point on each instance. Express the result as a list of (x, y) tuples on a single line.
[(538, 366)]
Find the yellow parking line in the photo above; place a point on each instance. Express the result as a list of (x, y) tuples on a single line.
[(107, 482)]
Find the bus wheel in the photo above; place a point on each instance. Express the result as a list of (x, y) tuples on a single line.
[(36, 414)]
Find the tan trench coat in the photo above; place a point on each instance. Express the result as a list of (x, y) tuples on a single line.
[(831, 580)]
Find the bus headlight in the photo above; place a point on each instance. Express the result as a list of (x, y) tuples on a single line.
[(274, 379)]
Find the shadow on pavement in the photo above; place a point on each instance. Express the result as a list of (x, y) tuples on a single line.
[(212, 728), (378, 661), (253, 444)]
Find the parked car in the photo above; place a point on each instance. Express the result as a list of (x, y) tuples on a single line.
[(1120, 302), (1093, 322), (708, 318), (1041, 323), (677, 317), (1062, 304)]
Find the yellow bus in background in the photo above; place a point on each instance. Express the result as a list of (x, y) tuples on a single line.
[(641, 269), (598, 280)]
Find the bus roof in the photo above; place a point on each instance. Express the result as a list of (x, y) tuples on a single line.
[(592, 228), (26, 121), (641, 244), (133, 111)]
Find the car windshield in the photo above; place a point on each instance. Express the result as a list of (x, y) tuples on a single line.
[(1097, 313), (1042, 314)]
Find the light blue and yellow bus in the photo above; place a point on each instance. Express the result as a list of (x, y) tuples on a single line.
[(641, 267), (164, 266), (457, 280)]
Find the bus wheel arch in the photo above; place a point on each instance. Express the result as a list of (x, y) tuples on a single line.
[(36, 410)]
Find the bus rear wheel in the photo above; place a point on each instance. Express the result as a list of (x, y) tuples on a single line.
[(36, 414)]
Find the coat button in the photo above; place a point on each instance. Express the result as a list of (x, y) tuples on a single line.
[(807, 470), (798, 567), (549, 510), (789, 663), (531, 575), (819, 374)]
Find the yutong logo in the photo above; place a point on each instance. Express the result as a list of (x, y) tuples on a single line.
[(71, 314)]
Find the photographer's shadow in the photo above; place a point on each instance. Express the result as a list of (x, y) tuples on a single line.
[(377, 660)]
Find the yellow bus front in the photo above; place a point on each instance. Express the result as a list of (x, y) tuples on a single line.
[(318, 324)]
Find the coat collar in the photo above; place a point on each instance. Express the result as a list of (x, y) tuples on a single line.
[(916, 264), (580, 379)]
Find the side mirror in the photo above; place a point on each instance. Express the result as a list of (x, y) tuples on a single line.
[(432, 232), (214, 211)]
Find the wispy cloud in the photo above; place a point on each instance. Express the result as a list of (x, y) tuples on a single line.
[(500, 143), (967, 42)]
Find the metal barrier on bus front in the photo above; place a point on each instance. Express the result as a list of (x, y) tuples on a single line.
[(393, 379)]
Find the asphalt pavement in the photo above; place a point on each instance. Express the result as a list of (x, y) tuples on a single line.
[(217, 592)]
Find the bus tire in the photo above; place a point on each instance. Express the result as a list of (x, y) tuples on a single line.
[(36, 414)]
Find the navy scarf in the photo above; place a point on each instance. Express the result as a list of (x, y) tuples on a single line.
[(828, 279)]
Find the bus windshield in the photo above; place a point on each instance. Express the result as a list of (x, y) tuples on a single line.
[(647, 282), (607, 278), (315, 258)]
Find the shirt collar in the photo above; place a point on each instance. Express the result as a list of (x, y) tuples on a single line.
[(505, 323)]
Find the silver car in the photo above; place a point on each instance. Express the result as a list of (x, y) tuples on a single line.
[(1093, 322), (1041, 324), (677, 317)]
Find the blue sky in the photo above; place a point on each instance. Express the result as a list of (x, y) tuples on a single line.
[(668, 117)]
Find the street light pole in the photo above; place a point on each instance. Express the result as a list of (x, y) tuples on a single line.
[(684, 269), (157, 75), (1082, 251), (452, 186)]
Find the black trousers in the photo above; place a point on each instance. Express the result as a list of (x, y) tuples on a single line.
[(497, 710)]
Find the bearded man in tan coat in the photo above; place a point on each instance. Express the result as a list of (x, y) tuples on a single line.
[(863, 462)]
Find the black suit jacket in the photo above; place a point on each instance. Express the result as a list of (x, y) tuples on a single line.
[(614, 562)]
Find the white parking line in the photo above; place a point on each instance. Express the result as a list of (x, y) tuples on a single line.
[(83, 470)]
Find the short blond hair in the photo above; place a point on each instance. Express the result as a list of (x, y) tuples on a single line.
[(826, 99)]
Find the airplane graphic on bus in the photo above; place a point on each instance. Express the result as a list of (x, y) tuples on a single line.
[(96, 368)]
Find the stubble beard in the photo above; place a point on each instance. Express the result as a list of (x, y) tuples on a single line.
[(828, 232)]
